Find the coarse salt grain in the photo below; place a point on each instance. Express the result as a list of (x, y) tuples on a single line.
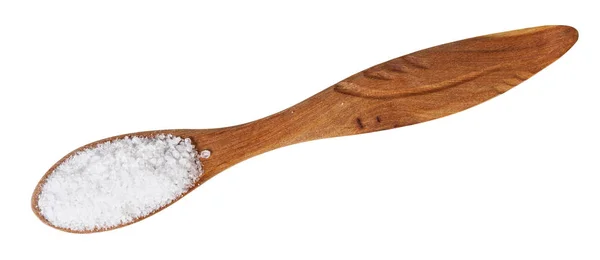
[(118, 181)]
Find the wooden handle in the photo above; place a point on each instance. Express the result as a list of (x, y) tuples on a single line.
[(415, 88)]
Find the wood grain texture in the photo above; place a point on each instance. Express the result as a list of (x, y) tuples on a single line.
[(415, 88)]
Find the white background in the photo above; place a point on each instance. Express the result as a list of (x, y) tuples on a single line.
[(514, 178)]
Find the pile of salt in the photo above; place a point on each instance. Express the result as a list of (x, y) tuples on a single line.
[(118, 181)]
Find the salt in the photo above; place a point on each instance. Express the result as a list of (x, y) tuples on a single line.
[(118, 181)]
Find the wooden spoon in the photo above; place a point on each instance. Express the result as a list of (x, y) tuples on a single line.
[(411, 89)]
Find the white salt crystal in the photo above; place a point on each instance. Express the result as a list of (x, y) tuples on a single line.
[(119, 181), (204, 154)]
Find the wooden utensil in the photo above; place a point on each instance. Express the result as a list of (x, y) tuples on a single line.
[(411, 89)]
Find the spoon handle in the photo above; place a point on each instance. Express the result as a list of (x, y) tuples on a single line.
[(424, 85), (414, 88)]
